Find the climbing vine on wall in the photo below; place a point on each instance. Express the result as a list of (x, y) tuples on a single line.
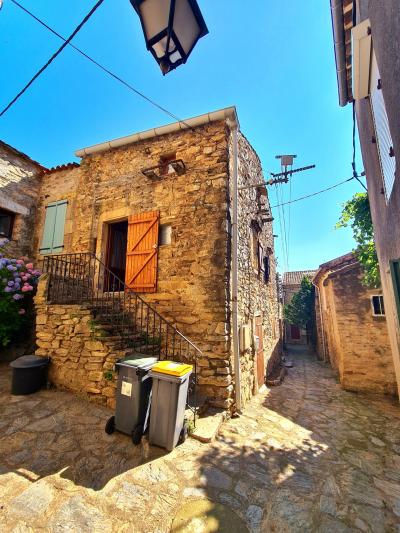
[(357, 215)]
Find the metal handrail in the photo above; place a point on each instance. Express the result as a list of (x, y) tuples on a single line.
[(82, 278)]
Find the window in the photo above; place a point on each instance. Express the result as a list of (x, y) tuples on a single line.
[(395, 272), (6, 223), (53, 232), (164, 235), (383, 137), (267, 268), (378, 307)]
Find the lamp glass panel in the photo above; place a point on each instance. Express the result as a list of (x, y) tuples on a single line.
[(155, 16), (185, 25), (160, 47)]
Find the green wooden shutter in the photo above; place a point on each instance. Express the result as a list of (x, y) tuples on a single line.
[(58, 238), (53, 232)]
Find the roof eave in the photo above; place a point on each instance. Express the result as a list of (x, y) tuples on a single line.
[(228, 113)]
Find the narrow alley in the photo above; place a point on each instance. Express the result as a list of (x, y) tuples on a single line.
[(305, 456)]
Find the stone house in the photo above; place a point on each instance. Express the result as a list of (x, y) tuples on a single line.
[(367, 51), (179, 215), (20, 178), (291, 282), (352, 329)]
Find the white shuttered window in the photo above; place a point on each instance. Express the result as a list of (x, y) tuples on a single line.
[(384, 141)]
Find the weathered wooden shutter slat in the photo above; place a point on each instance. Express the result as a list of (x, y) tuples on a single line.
[(383, 137), (58, 239), (142, 252), (48, 231)]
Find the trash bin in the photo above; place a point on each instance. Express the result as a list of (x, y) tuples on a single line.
[(168, 403), (29, 374), (132, 396)]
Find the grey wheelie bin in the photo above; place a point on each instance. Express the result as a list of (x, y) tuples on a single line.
[(132, 396), (168, 403)]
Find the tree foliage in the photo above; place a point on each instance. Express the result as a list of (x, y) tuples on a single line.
[(301, 311), (357, 215)]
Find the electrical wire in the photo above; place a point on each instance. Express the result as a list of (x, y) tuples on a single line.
[(53, 57), (289, 216), (314, 193), (102, 67)]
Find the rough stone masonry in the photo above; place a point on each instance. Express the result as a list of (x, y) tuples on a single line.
[(194, 269)]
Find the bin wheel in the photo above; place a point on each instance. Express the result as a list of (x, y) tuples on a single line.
[(184, 432), (110, 425), (137, 434)]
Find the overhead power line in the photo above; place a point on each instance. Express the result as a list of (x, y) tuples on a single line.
[(53, 57), (314, 193), (100, 66)]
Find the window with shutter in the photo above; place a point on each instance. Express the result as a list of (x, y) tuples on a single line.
[(53, 232), (142, 252), (383, 137), (378, 307)]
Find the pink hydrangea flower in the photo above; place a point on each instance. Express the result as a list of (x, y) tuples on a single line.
[(29, 266), (20, 262), (27, 288)]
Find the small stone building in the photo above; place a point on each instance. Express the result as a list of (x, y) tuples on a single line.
[(293, 333), (20, 178), (351, 327), (156, 210)]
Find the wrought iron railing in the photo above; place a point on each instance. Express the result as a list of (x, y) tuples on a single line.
[(120, 314)]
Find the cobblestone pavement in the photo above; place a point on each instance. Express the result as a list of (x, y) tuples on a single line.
[(305, 456)]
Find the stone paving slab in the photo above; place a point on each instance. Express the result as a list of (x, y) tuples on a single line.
[(304, 456)]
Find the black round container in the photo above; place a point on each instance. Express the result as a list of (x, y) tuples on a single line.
[(29, 374)]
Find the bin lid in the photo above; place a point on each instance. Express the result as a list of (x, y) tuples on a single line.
[(172, 369), (29, 361), (136, 361)]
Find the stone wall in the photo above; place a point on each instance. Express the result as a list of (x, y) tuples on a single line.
[(194, 270), (80, 359), (256, 297), (19, 187), (356, 342)]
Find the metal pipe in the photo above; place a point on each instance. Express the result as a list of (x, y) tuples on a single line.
[(235, 269), (321, 321), (340, 50)]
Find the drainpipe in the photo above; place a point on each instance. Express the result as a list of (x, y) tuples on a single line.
[(340, 50), (234, 228), (321, 320)]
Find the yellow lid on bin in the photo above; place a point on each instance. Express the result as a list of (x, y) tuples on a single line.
[(171, 368)]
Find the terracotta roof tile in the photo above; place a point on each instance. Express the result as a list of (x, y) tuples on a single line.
[(66, 166), (294, 278)]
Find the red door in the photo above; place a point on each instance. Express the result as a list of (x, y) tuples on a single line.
[(260, 351), (294, 333)]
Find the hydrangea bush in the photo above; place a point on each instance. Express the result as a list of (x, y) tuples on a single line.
[(18, 279)]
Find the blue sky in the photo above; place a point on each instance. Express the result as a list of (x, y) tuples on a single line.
[(274, 61)]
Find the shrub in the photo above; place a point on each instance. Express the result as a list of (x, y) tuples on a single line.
[(18, 280)]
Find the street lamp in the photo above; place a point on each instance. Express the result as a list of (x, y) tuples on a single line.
[(171, 29)]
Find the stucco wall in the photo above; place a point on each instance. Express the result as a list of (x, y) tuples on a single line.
[(356, 342), (385, 24), (19, 187)]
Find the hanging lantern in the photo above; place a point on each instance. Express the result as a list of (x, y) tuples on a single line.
[(171, 29)]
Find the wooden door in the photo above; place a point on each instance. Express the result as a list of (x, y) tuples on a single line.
[(294, 333), (142, 251), (258, 329)]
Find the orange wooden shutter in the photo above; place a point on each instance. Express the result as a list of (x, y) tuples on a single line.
[(142, 250)]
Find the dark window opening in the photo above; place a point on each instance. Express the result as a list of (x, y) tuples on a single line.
[(116, 252), (6, 223), (164, 163), (378, 307)]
